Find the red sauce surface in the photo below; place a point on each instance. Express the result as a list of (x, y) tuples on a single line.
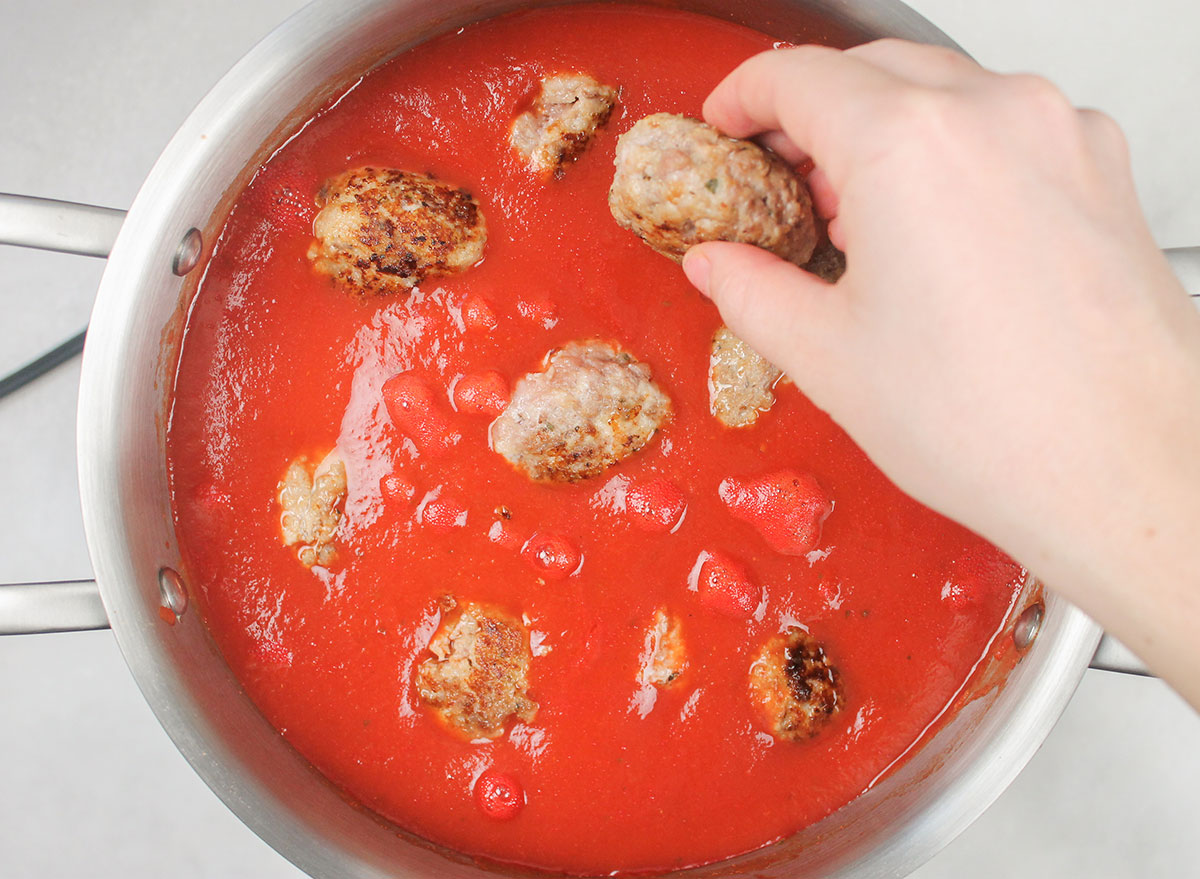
[(277, 362)]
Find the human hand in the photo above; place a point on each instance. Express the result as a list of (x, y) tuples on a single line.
[(1008, 343)]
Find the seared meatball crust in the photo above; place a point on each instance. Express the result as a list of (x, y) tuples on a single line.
[(478, 677), (381, 231), (592, 406), (565, 115), (679, 182), (795, 688)]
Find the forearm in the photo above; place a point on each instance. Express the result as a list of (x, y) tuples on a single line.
[(1126, 546)]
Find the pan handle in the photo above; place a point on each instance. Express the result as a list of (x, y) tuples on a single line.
[(1185, 263), (62, 606), (1112, 655), (66, 227), (63, 226)]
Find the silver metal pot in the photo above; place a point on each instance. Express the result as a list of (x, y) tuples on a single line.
[(127, 374)]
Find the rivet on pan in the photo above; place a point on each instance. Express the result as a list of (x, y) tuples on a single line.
[(174, 595), (187, 255), (1028, 624)]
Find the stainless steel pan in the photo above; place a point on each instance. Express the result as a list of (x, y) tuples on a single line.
[(126, 378)]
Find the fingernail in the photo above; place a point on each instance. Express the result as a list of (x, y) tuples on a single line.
[(697, 268)]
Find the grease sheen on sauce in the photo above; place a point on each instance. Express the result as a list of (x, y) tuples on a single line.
[(276, 362)]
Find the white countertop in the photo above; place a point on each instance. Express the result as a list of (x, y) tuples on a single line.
[(89, 783)]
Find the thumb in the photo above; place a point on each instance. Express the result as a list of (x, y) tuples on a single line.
[(780, 310)]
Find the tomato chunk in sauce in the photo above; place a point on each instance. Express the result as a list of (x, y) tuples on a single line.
[(631, 604)]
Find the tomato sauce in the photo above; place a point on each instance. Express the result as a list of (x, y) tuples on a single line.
[(277, 362)]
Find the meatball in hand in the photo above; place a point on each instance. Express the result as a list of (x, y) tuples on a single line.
[(680, 182)]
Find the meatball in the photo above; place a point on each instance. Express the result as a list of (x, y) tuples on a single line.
[(680, 182), (591, 406), (478, 676), (384, 231), (312, 499), (794, 687), (664, 655), (740, 381), (827, 263), (563, 119)]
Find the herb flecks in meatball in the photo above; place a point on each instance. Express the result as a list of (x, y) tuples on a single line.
[(478, 677), (562, 121), (679, 182), (384, 231), (312, 500), (794, 687), (592, 406), (740, 381)]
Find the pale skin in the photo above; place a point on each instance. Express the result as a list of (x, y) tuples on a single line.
[(1008, 344)]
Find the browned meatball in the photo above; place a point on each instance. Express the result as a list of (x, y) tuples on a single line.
[(827, 262), (311, 499), (384, 231), (564, 117), (796, 690), (478, 677), (680, 182), (740, 381), (591, 406)]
